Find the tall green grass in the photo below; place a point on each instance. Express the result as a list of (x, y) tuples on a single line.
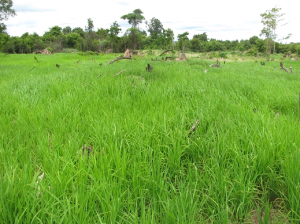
[(145, 167)]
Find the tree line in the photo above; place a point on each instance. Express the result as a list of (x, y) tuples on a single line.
[(58, 39)]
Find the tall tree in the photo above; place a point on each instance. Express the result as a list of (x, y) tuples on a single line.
[(55, 38), (155, 28), (202, 37), (74, 40), (266, 31), (271, 19), (79, 30), (253, 39), (134, 19), (90, 42), (90, 26), (102, 33), (5, 12), (54, 34), (197, 44), (134, 41), (113, 33), (169, 38), (67, 30), (183, 40)]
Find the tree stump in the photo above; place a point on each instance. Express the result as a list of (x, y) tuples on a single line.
[(149, 68), (182, 56)]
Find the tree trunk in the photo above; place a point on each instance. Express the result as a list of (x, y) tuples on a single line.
[(267, 49), (194, 127), (117, 59), (165, 52), (119, 72), (283, 68), (274, 51)]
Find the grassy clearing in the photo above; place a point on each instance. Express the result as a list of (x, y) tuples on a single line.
[(237, 166)]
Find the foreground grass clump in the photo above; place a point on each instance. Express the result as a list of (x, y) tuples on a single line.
[(80, 145)]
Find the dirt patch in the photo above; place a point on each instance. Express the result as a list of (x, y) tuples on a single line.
[(275, 217)]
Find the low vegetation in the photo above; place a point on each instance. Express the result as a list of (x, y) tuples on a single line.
[(180, 143)]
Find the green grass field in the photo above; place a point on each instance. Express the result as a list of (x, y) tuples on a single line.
[(80, 145)]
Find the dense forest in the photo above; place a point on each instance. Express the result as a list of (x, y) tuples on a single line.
[(59, 39)]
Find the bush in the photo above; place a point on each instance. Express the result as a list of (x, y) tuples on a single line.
[(240, 54), (50, 49), (252, 52), (298, 49), (87, 53), (212, 55), (150, 52), (223, 55), (69, 50)]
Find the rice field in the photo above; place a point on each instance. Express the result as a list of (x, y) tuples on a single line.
[(174, 145)]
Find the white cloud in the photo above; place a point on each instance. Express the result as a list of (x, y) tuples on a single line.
[(232, 19)]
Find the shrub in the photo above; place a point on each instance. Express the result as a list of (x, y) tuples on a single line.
[(69, 50), (150, 52), (223, 55), (87, 53), (298, 49), (252, 52), (50, 49), (212, 55)]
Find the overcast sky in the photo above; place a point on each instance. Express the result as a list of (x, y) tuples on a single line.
[(220, 19)]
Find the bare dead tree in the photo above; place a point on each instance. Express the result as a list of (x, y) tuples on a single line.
[(117, 59), (165, 52), (119, 72), (194, 127), (283, 68)]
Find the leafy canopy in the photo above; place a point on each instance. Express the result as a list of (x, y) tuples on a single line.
[(90, 26), (202, 37), (134, 18), (5, 11), (114, 29), (155, 27), (271, 19)]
